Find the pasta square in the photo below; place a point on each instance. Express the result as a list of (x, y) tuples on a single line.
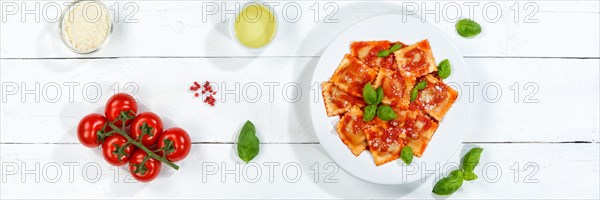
[(384, 143), (351, 75), (351, 129), (396, 88), (366, 51), (415, 60), (394, 75), (338, 102), (436, 99), (418, 128)]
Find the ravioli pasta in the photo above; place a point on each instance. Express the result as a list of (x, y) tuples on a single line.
[(397, 74)]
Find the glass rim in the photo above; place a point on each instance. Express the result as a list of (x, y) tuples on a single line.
[(61, 23), (233, 32)]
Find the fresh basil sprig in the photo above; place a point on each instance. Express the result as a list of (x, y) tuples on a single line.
[(379, 95), (415, 91), (421, 85), (386, 113), (444, 69), (383, 53), (386, 52), (369, 94), (471, 159), (454, 180), (467, 28), (369, 113), (470, 176), (406, 155), (248, 143), (449, 184), (373, 98), (395, 47)]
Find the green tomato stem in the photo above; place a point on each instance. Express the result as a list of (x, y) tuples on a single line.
[(144, 148)]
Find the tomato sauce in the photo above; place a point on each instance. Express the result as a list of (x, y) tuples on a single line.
[(438, 92), (394, 87), (441, 92), (386, 137), (358, 125), (371, 59), (416, 61), (353, 128), (342, 99), (355, 76), (411, 129)]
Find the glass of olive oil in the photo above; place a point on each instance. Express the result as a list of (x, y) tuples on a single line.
[(254, 26)]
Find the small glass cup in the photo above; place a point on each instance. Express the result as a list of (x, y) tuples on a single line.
[(233, 31), (61, 24)]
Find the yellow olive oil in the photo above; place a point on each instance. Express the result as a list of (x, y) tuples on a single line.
[(255, 26)]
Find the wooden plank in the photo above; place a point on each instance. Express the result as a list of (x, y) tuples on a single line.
[(176, 28), (505, 171), (567, 94), (536, 101)]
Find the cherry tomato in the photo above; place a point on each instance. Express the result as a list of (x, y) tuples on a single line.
[(119, 103), (143, 169), (176, 143), (87, 130), (111, 152), (147, 124)]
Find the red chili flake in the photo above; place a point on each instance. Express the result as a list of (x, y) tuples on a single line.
[(210, 100), (194, 88), (206, 89)]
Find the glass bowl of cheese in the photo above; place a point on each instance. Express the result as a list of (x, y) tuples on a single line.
[(85, 26)]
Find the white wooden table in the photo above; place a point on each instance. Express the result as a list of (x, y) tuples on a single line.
[(541, 135)]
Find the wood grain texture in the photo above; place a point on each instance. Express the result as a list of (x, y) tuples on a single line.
[(545, 142), (176, 28), (163, 87), (203, 174)]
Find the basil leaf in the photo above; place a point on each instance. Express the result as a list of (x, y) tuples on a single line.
[(383, 53), (470, 176), (457, 173), (467, 28), (248, 144), (454, 180), (386, 113), (415, 91), (421, 85), (369, 113), (406, 155), (413, 94), (395, 47), (369, 94), (471, 159), (450, 184), (379, 96), (444, 69)]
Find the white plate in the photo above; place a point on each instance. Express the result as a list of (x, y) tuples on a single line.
[(450, 133)]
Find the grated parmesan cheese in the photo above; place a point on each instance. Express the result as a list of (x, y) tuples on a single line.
[(86, 26)]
